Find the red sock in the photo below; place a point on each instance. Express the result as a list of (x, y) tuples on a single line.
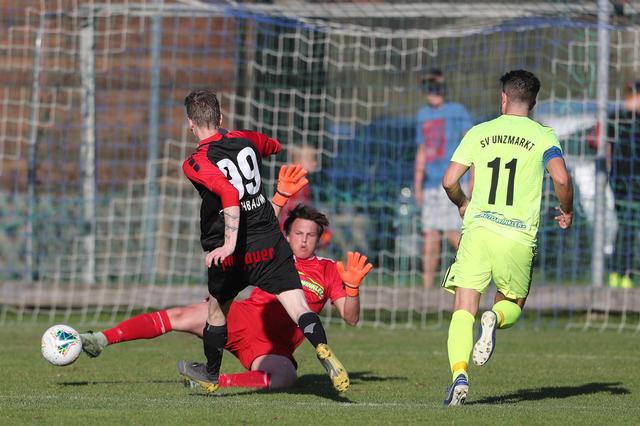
[(249, 379), (145, 326)]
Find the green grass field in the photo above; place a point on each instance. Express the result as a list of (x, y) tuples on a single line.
[(398, 377)]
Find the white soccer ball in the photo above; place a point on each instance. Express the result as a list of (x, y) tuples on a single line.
[(61, 345)]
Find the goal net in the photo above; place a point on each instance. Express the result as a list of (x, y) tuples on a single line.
[(96, 218)]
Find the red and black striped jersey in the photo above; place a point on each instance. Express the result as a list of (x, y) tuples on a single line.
[(225, 169)]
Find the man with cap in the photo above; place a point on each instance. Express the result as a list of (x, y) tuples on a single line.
[(440, 126)]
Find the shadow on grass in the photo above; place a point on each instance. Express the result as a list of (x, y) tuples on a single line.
[(309, 384), (315, 384), (554, 392)]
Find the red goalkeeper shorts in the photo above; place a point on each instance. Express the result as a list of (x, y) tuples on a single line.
[(256, 330)]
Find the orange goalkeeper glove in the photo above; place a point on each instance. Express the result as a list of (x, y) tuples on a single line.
[(291, 179), (356, 270)]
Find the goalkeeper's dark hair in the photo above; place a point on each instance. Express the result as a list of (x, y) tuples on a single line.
[(521, 86), (203, 108), (302, 211)]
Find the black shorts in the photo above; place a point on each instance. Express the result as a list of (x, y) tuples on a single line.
[(266, 263)]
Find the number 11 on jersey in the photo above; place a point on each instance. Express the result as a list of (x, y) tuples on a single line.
[(494, 165)]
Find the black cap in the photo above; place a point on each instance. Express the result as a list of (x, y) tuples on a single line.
[(634, 86), (433, 82), (434, 74)]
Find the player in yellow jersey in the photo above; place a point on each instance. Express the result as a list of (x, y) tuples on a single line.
[(500, 220)]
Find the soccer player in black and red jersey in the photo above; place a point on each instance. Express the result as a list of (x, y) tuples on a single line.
[(261, 334), (240, 231)]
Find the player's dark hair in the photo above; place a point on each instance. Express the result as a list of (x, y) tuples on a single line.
[(203, 108), (521, 86), (302, 211)]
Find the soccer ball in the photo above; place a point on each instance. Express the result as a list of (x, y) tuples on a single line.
[(61, 345)]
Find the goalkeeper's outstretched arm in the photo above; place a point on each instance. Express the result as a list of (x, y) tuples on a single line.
[(352, 275), (291, 179)]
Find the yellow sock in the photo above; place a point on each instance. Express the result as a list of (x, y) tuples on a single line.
[(460, 342), (508, 313)]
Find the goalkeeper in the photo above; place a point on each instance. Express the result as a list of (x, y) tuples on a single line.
[(509, 155), (260, 332)]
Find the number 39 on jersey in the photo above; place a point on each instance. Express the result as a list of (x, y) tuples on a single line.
[(244, 174)]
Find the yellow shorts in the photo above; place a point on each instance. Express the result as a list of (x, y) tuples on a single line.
[(483, 254)]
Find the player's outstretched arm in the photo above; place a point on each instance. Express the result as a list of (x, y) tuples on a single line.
[(352, 275), (291, 179), (564, 190)]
